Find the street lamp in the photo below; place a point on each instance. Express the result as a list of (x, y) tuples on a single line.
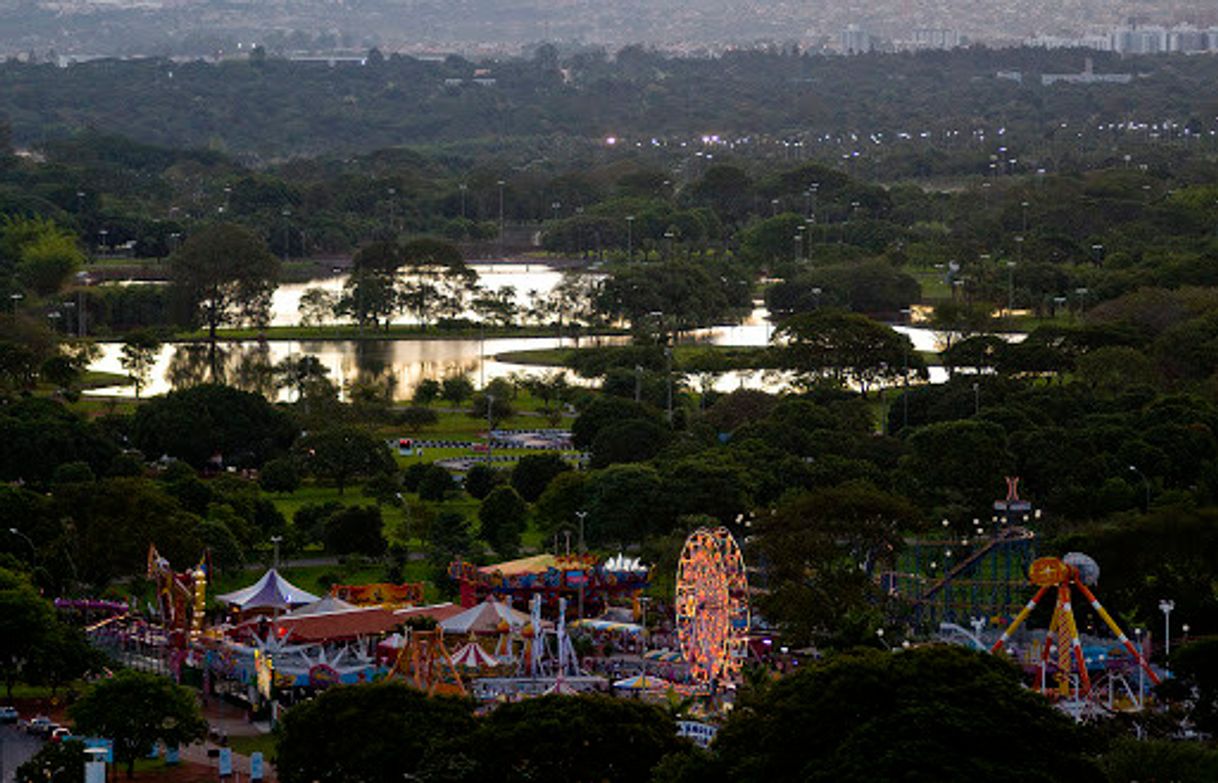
[(1165, 606), (1145, 483), (581, 515), (490, 435), (500, 183), (16, 298), (463, 187), (668, 372), (630, 237)]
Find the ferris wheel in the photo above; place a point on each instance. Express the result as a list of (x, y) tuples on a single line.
[(712, 605)]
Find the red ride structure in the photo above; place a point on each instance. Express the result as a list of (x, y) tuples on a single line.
[(1073, 572)]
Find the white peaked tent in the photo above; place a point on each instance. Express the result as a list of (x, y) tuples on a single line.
[(326, 605), (471, 656), (484, 618), (272, 591)]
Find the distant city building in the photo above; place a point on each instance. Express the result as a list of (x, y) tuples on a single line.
[(1010, 76), (935, 38), (1184, 39), (855, 40), (1088, 76)]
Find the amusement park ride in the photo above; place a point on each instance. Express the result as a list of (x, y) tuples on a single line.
[(1075, 571), (712, 606)]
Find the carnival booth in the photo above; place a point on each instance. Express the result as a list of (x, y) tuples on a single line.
[(272, 593), (487, 618), (579, 578)]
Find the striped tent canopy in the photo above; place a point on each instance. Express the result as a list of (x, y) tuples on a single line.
[(643, 682), (471, 656), (663, 656)]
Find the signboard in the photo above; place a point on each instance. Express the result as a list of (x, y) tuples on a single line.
[(322, 676), (98, 742), (386, 594), (226, 762), (256, 765), (95, 772), (700, 734)]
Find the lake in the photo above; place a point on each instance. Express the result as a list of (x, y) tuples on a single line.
[(403, 363)]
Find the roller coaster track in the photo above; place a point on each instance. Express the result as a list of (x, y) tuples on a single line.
[(1007, 536)]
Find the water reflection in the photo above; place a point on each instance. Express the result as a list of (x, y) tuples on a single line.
[(395, 367)]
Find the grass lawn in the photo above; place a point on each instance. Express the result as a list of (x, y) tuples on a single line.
[(257, 743)]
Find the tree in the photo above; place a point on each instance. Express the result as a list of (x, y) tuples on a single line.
[(572, 738), (217, 535), (415, 418), (427, 392), (298, 373), (873, 715), (456, 389), (48, 261), (450, 538), (136, 710), (356, 529), (61, 655), (625, 504), (481, 478), (958, 462), (502, 515), (280, 475), (399, 729), (632, 440), (558, 504), (603, 411), (435, 483), (317, 306), (344, 452), (491, 407), (821, 547), (534, 472), (200, 422), (62, 762), (139, 354), (845, 347), (25, 618), (225, 274)]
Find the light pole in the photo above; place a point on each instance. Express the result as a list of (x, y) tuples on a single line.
[(490, 435), (815, 189), (1145, 484), (287, 213), (1165, 606), (15, 298), (668, 372), (638, 383), (630, 237), (580, 515), (1011, 279), (905, 376), (275, 540), (1141, 670), (28, 540), (463, 187), (976, 399), (500, 183)]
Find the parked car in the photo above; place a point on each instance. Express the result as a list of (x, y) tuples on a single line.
[(39, 726), (60, 733), (8, 715)]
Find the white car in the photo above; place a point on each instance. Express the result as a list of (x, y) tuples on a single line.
[(40, 725)]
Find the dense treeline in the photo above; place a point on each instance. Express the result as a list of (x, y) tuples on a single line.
[(270, 107)]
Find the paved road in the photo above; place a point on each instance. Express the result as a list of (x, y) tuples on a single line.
[(16, 747)]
